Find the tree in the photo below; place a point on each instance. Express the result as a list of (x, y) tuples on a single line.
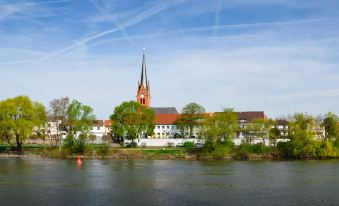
[(331, 126), (258, 128), (274, 134), (19, 118), (301, 131), (92, 137), (131, 119), (221, 127), (58, 114), (80, 117), (192, 117)]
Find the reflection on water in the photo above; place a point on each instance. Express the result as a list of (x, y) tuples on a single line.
[(151, 182)]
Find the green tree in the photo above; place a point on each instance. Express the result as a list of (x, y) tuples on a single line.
[(192, 116), (80, 117), (331, 126), (19, 118), (274, 134), (259, 128), (301, 131), (131, 119), (221, 127)]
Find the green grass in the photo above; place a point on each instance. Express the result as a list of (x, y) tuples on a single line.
[(162, 151)]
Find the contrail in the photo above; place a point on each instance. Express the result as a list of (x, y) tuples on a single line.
[(37, 3), (217, 15), (122, 30), (135, 20)]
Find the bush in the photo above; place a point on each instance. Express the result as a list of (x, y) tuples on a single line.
[(259, 148), (131, 144), (74, 145), (221, 151), (244, 150), (3, 148), (188, 144), (103, 150), (285, 149)]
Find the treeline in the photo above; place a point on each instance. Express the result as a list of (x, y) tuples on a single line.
[(301, 135), (298, 135), (21, 119)]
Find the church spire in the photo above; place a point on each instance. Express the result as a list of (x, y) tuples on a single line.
[(143, 69), (143, 93)]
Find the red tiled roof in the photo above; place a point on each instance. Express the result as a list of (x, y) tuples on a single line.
[(107, 123), (166, 118)]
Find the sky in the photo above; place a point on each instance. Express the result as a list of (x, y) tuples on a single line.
[(277, 56)]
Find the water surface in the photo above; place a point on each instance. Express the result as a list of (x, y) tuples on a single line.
[(28, 182)]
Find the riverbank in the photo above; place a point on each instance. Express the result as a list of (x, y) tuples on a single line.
[(145, 153), (106, 151)]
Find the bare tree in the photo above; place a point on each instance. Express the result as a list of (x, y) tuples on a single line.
[(58, 116)]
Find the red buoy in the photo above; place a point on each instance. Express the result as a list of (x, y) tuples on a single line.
[(79, 161)]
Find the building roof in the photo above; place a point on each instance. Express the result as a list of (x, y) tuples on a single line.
[(282, 122), (251, 115), (97, 123), (165, 110), (107, 123), (167, 119)]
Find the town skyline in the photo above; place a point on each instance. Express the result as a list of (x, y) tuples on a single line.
[(224, 54)]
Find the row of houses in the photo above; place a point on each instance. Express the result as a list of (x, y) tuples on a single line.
[(166, 132)]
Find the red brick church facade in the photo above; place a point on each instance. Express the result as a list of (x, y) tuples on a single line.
[(144, 90)]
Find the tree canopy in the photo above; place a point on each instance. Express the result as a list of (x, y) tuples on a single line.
[(19, 117), (131, 119), (79, 117), (191, 117), (220, 127)]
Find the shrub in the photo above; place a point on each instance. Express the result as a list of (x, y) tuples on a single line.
[(221, 151), (103, 150), (188, 144), (3, 148), (74, 145), (244, 150), (259, 148), (285, 149)]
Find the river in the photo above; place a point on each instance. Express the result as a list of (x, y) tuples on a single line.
[(35, 181)]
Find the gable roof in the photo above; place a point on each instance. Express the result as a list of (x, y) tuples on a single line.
[(165, 110), (167, 119), (251, 115), (97, 123)]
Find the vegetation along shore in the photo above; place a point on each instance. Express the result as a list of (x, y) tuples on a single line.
[(23, 120)]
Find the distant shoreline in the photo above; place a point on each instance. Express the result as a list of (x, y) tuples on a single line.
[(158, 154)]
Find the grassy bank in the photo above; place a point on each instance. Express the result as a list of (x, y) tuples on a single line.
[(243, 152)]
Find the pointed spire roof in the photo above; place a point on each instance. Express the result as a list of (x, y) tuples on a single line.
[(143, 70)]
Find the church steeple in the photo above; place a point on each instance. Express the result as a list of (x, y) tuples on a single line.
[(143, 68), (143, 93)]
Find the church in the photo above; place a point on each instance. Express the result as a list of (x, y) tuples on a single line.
[(165, 116), (166, 132)]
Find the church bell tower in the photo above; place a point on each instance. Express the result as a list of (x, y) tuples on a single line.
[(144, 93)]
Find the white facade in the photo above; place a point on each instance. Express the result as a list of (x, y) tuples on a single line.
[(143, 142), (165, 131)]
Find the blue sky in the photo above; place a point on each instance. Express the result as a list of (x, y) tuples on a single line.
[(280, 56)]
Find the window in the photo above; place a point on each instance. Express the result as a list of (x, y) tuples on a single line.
[(158, 127), (163, 127), (173, 127), (98, 128), (168, 127)]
